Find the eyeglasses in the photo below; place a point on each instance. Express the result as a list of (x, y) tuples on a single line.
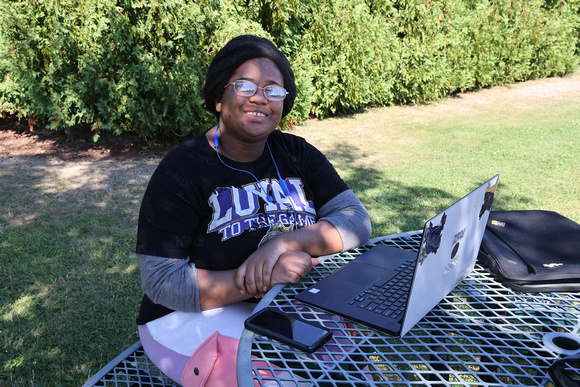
[(246, 88)]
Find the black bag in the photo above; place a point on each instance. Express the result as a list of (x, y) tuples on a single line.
[(565, 371), (532, 251)]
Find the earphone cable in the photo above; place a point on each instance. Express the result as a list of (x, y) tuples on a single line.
[(282, 183)]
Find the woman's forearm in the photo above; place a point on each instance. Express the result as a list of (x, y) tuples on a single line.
[(217, 288)]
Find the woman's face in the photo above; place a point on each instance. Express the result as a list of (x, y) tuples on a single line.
[(251, 119)]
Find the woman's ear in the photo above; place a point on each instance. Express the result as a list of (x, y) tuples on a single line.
[(218, 106)]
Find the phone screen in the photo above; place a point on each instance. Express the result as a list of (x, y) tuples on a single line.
[(289, 329)]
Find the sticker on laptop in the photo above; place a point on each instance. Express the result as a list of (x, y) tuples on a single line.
[(488, 198), (453, 260), (432, 239)]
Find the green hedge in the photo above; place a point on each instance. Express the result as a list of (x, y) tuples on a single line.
[(138, 66)]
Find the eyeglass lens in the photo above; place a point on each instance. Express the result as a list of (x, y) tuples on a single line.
[(247, 89)]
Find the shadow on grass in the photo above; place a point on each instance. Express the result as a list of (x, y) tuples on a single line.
[(395, 206), (71, 285)]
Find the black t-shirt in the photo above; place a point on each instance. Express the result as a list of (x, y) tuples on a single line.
[(197, 208)]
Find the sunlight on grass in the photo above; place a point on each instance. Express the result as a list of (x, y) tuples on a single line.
[(15, 362), (20, 307), (23, 307), (128, 270)]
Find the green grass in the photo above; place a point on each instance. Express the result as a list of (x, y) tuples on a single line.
[(71, 286)]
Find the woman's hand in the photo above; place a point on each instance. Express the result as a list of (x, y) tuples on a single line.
[(291, 267), (254, 275)]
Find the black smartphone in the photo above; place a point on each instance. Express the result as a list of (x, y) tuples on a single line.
[(289, 329)]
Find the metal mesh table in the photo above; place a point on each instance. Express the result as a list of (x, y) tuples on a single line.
[(132, 368), (482, 333)]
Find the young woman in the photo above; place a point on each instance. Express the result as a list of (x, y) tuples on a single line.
[(239, 208)]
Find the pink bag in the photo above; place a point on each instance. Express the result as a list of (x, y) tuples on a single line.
[(213, 363)]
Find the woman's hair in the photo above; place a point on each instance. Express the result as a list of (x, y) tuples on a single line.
[(233, 55)]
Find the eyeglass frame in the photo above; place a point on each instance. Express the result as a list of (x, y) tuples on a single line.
[(256, 90)]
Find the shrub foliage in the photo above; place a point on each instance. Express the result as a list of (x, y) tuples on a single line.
[(138, 65)]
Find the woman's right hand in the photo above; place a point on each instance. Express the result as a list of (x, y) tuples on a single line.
[(291, 267)]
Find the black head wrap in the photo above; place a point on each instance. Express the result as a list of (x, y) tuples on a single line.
[(233, 55)]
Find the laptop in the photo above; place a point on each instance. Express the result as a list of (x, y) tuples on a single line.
[(391, 289)]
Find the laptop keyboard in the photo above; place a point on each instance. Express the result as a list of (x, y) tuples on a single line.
[(388, 296)]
